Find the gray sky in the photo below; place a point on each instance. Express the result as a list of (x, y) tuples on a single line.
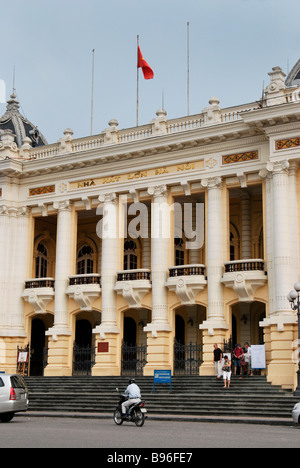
[(233, 46)]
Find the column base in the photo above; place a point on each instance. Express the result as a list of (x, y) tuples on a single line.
[(9, 352), (281, 340), (108, 355), (160, 351), (59, 357)]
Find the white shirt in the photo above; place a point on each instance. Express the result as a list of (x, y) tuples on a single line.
[(133, 391)]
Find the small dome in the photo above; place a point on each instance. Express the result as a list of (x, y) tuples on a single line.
[(294, 76), (19, 125)]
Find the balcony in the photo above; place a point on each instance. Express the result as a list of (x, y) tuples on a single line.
[(39, 292), (84, 289), (245, 277), (133, 285), (187, 281)]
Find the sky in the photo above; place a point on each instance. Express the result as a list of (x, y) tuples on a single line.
[(234, 44)]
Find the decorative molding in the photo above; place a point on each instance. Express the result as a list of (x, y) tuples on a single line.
[(240, 157), (41, 190), (288, 143)]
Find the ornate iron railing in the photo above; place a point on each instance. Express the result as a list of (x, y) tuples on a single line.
[(187, 270), (187, 358), (244, 265), (83, 359), (40, 283), (78, 280), (133, 275), (134, 359)]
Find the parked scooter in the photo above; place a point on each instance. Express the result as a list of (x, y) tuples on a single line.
[(136, 413)]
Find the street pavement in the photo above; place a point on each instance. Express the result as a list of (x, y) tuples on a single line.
[(49, 432)]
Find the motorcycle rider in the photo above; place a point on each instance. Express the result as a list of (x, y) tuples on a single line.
[(134, 396)]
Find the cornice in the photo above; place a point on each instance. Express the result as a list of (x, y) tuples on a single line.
[(161, 149)]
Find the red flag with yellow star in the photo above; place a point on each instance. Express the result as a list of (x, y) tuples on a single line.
[(147, 70)]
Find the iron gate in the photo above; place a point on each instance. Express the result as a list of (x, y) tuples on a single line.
[(83, 359), (187, 358), (134, 359)]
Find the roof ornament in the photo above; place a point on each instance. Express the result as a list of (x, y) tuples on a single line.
[(20, 126)]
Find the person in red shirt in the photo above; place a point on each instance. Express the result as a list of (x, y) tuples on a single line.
[(238, 355)]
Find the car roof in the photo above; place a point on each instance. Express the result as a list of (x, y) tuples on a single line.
[(7, 376)]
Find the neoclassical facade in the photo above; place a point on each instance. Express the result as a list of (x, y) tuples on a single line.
[(133, 245)]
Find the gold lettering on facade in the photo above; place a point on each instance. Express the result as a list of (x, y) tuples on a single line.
[(161, 170), (111, 180), (137, 175), (86, 183), (186, 167)]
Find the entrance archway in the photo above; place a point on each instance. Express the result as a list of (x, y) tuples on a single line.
[(83, 333), (83, 351), (37, 347), (129, 331), (245, 323), (179, 330), (38, 344)]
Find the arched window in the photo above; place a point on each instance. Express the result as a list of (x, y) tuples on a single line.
[(130, 256), (85, 262), (179, 252), (41, 262)]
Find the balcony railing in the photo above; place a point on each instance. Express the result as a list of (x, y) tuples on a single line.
[(245, 265), (79, 280), (134, 275), (39, 283), (187, 270)]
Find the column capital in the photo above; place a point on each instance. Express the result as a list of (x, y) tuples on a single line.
[(110, 197), (212, 183), (3, 210), (62, 205), (24, 211), (275, 168), (158, 191)]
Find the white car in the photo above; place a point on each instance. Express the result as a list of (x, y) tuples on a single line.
[(13, 396), (296, 413)]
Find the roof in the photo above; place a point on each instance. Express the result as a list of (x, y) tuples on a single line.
[(21, 127), (293, 78)]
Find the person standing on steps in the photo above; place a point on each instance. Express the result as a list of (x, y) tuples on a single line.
[(226, 372), (218, 356)]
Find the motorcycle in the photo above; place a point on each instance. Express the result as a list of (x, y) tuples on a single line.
[(136, 413)]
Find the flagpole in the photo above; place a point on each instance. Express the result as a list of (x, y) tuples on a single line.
[(188, 68), (92, 103), (137, 83)]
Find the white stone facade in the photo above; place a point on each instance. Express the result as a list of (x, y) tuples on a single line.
[(62, 266)]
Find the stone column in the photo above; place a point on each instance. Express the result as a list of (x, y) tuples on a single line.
[(283, 252), (284, 223), (21, 261), (4, 255), (60, 348), (215, 327), (108, 363), (158, 338)]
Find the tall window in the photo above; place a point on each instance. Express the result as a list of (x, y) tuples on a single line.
[(232, 248), (85, 262), (130, 256), (41, 262), (179, 252)]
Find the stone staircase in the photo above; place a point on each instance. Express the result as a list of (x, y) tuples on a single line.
[(193, 396)]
